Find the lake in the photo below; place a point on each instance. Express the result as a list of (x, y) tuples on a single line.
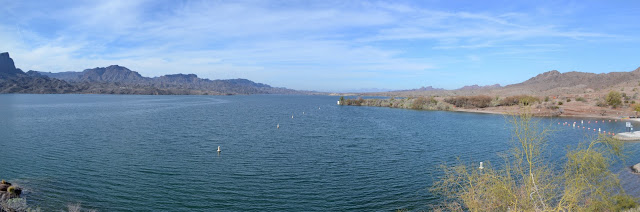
[(158, 153)]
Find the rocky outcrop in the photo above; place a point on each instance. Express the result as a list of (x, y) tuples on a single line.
[(113, 73), (636, 168), (8, 191), (7, 67), (68, 76), (178, 78), (13, 80)]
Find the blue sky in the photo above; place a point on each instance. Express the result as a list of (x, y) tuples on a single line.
[(327, 45)]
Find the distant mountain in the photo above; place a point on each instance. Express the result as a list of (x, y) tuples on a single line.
[(547, 83), (113, 73), (14, 80), (66, 76), (367, 90), (428, 88), (124, 76), (7, 67), (116, 79), (554, 80), (477, 87)]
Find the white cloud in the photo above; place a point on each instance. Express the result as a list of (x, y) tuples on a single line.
[(281, 43)]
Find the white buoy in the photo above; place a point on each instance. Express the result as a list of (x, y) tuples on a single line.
[(598, 129), (581, 121), (291, 116), (219, 149), (481, 166), (278, 126)]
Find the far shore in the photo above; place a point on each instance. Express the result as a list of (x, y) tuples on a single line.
[(566, 107)]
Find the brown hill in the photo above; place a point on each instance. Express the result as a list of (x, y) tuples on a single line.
[(554, 81), (547, 83)]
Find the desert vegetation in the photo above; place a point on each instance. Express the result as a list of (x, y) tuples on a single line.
[(527, 181), (470, 101), (614, 99), (420, 103), (519, 100)]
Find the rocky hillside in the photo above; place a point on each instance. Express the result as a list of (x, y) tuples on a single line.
[(14, 80), (580, 80), (104, 76), (116, 79), (548, 83)]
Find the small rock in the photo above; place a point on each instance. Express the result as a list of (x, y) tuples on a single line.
[(3, 187), (636, 168)]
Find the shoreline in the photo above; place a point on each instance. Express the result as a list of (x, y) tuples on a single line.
[(486, 105), (511, 112)]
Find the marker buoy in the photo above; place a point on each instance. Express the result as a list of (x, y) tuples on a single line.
[(219, 149), (278, 126)]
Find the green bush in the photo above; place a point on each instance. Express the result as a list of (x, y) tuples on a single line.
[(418, 103), (614, 99), (560, 103), (481, 101), (580, 99), (519, 100)]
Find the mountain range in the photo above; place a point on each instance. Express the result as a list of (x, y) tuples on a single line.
[(548, 83), (116, 79)]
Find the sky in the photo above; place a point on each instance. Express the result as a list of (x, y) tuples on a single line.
[(327, 45)]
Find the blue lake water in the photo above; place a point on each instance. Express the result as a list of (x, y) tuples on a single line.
[(158, 153)]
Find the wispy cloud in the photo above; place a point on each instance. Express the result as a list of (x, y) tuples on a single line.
[(303, 45)]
